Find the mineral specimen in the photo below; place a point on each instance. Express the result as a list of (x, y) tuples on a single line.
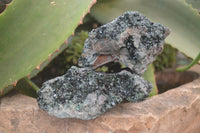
[(130, 39), (85, 94)]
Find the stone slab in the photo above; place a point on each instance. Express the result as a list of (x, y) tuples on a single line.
[(176, 111)]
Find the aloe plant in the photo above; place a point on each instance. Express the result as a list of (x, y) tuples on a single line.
[(3, 5), (31, 33), (27, 87), (190, 65), (195, 4), (149, 76)]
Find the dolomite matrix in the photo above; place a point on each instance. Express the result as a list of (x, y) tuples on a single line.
[(83, 93), (130, 39)]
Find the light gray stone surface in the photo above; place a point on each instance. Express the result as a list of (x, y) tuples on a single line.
[(130, 39), (85, 94)]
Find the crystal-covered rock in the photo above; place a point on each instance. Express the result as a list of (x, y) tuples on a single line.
[(85, 94), (130, 39)]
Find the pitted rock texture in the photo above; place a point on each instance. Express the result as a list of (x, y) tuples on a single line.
[(85, 94), (130, 39), (82, 93)]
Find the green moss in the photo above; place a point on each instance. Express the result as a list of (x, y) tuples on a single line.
[(166, 59), (74, 50)]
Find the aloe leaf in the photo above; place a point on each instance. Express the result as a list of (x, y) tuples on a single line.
[(195, 4), (183, 21), (30, 31), (149, 76), (3, 5), (27, 87), (190, 65)]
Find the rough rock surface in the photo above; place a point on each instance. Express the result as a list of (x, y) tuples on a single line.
[(175, 111), (85, 94), (130, 39)]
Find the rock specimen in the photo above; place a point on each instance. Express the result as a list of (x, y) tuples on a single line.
[(130, 39), (82, 93), (85, 94)]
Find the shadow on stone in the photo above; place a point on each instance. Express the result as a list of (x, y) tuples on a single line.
[(169, 79)]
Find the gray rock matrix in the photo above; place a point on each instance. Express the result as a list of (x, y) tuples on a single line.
[(130, 39), (83, 93)]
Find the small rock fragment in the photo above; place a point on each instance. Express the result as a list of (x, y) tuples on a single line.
[(85, 94), (130, 39)]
